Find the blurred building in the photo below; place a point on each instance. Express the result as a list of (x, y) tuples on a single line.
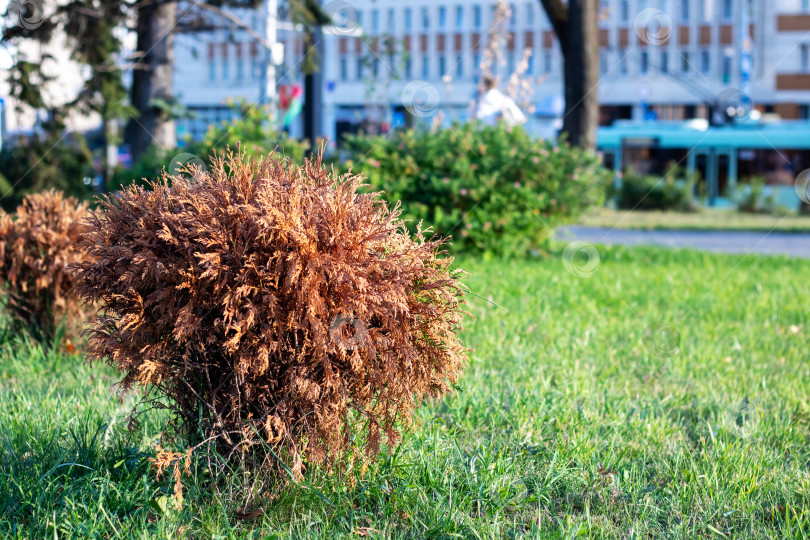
[(215, 69), (659, 59)]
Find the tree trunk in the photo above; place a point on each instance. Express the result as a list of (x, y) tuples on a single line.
[(581, 61), (577, 29), (313, 91), (153, 82)]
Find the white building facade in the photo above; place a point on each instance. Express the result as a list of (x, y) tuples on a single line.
[(665, 59)]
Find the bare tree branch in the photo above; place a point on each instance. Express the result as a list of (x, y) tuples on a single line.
[(236, 21)]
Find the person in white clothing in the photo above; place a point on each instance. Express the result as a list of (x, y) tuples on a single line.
[(494, 104)]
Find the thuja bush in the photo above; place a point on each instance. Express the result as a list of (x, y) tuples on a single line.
[(274, 306), (36, 243), (495, 189)]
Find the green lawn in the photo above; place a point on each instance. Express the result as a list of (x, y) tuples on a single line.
[(567, 422), (705, 219)]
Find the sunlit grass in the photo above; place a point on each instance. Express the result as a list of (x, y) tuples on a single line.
[(568, 421)]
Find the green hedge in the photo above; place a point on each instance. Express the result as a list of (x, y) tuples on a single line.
[(672, 191), (495, 189)]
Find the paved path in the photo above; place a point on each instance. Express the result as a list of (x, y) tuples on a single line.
[(795, 245)]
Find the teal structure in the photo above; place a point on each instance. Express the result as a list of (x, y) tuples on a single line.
[(698, 138)]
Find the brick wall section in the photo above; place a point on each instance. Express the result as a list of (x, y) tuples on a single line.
[(705, 33), (793, 81), (793, 23), (683, 35)]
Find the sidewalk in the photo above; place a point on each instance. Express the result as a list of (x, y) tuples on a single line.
[(761, 243)]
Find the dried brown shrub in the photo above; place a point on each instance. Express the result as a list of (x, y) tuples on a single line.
[(269, 300), (36, 243)]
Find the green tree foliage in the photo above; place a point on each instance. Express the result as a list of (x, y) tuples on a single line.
[(92, 29)]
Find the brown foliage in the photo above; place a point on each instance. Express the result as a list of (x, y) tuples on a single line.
[(166, 458), (36, 243), (273, 301)]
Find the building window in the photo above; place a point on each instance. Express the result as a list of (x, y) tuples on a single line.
[(344, 69), (476, 62), (622, 62), (705, 62), (442, 17), (359, 18), (212, 70), (408, 19), (392, 23), (664, 62), (459, 66), (375, 20), (425, 67), (805, 57), (804, 112), (624, 10), (685, 62), (408, 68), (547, 62), (459, 16), (728, 9), (603, 61), (805, 5), (726, 69), (644, 63), (240, 69), (530, 65), (530, 15), (359, 72), (512, 15), (257, 68), (425, 18), (510, 63), (442, 66), (684, 10), (477, 17), (225, 65)]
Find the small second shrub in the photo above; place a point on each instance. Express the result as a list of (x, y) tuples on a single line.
[(36, 243)]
